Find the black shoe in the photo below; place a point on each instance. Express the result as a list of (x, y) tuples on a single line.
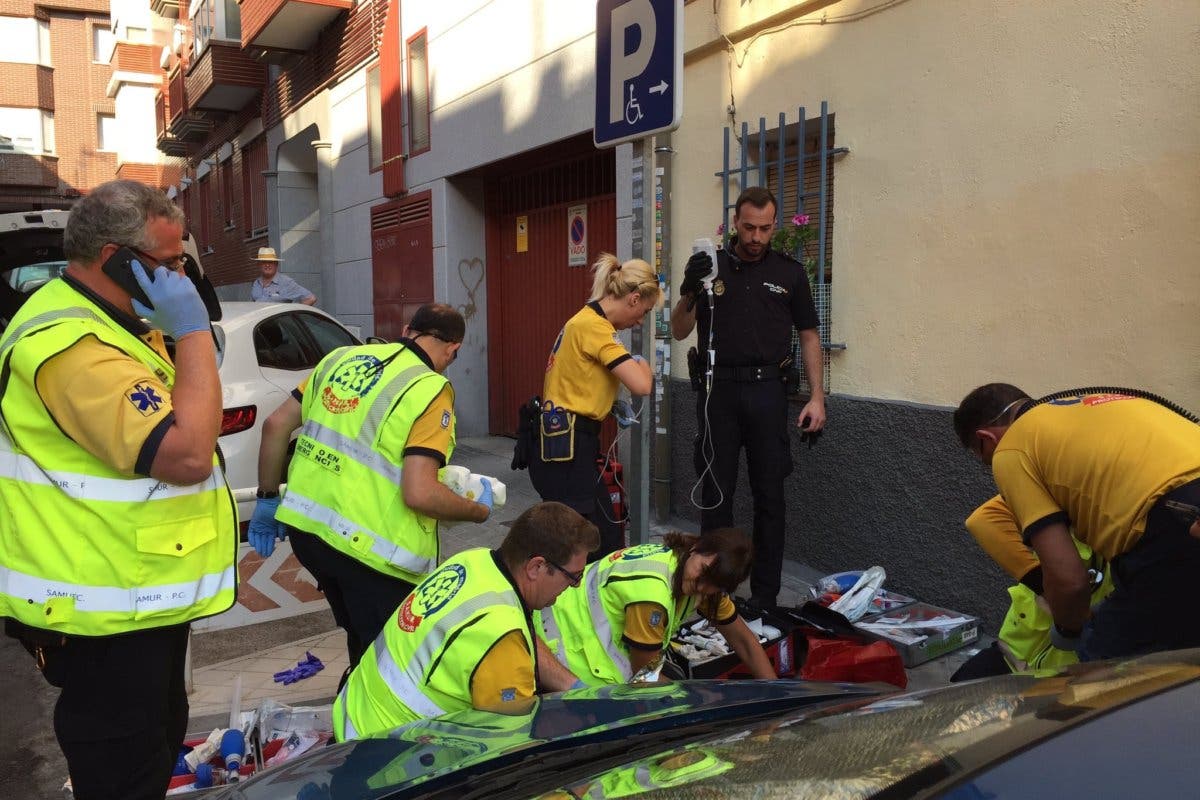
[(754, 608)]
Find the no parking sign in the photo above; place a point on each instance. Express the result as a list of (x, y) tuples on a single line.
[(577, 236)]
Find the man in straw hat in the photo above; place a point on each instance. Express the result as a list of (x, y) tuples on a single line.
[(271, 287)]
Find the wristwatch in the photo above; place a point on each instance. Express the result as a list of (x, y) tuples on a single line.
[(261, 495)]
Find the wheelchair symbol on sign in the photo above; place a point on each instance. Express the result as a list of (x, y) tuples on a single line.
[(633, 110)]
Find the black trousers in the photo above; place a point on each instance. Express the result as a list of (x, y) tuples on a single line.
[(1151, 607), (754, 416), (362, 600), (577, 484), (123, 711)]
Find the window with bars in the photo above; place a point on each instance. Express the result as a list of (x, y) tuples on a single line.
[(227, 192), (418, 94), (796, 162), (374, 119), (204, 199), (254, 187)]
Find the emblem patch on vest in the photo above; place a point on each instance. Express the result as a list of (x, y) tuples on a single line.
[(637, 551), (144, 399), (350, 382), (508, 695), (445, 419), (430, 595), (656, 618)]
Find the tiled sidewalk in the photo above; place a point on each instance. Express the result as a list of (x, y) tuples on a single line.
[(213, 685)]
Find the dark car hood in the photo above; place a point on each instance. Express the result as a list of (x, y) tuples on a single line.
[(423, 756)]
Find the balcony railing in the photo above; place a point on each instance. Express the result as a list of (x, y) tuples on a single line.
[(224, 78), (168, 143), (287, 25), (183, 123)]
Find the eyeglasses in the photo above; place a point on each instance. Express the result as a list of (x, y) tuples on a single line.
[(418, 334), (573, 578), (174, 264)]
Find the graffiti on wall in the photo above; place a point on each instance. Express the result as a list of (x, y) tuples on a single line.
[(470, 272)]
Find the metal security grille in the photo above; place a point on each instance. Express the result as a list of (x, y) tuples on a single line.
[(795, 161)]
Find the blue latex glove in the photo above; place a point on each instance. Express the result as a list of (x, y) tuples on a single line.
[(178, 309), (264, 529), (622, 411), (485, 496)]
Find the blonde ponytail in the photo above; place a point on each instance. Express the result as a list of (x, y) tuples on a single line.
[(612, 278)]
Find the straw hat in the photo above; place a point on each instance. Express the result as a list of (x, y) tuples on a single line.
[(267, 254)]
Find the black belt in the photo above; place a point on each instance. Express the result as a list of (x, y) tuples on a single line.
[(586, 424), (766, 372)]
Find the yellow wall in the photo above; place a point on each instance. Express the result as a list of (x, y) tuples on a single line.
[(1021, 200)]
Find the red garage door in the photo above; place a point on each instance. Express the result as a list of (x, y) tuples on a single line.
[(531, 293), (401, 261)]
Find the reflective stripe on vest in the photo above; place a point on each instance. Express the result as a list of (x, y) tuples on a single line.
[(115, 599), (90, 487), (604, 630), (553, 634), (405, 683), (349, 530), (371, 459), (348, 731)]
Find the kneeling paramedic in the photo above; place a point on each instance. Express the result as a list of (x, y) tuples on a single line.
[(464, 637), (630, 603)]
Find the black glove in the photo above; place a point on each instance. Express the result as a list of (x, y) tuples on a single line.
[(698, 267)]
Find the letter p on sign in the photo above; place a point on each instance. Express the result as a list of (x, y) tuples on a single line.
[(634, 20)]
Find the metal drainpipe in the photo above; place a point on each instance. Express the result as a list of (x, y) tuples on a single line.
[(660, 480)]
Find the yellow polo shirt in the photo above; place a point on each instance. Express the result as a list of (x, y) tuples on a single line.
[(579, 373), (1097, 462)]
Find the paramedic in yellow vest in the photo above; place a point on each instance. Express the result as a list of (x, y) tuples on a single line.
[(587, 365), (631, 602), (1123, 470), (363, 498), (118, 528), (464, 637), (1024, 640)]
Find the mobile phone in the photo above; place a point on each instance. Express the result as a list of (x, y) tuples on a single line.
[(118, 267)]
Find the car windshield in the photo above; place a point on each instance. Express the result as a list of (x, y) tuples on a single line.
[(900, 746)]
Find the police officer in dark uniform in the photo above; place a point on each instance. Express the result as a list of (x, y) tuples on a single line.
[(757, 296)]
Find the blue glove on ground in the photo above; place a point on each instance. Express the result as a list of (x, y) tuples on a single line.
[(178, 309), (305, 668), (485, 496), (264, 529)]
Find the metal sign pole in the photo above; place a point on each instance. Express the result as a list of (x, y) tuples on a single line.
[(637, 476)]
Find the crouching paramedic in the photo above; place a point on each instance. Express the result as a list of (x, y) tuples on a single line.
[(464, 637), (1024, 641), (630, 603)]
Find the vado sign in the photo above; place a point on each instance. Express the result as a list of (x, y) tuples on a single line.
[(639, 69), (577, 236)]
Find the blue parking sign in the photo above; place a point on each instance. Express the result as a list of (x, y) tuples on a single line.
[(639, 69)]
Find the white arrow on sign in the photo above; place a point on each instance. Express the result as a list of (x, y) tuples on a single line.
[(660, 89)]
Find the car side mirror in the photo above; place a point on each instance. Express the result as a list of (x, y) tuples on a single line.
[(376, 340)]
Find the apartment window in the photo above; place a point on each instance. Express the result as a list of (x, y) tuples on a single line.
[(227, 192), (106, 132), (233, 20), (374, 119), (102, 43), (204, 236), (254, 187), (26, 40), (203, 19), (26, 130), (137, 35), (418, 94)]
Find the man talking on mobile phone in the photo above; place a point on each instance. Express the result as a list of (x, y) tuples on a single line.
[(118, 527)]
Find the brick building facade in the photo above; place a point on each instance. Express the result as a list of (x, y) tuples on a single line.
[(68, 86)]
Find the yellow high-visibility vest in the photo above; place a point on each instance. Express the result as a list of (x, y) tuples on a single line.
[(340, 487), (85, 549)]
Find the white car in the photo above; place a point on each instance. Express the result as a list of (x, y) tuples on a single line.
[(264, 351)]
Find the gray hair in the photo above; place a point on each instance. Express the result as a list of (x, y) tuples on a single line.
[(117, 211)]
